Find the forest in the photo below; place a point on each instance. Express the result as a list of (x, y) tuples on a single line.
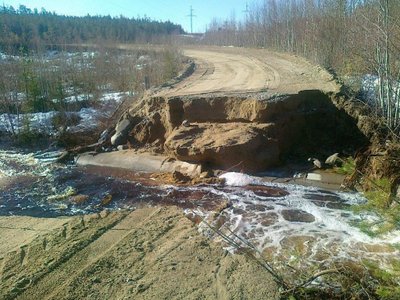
[(24, 29), (350, 38), (52, 72)]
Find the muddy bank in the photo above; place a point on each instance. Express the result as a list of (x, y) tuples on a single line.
[(144, 254), (380, 159), (252, 132)]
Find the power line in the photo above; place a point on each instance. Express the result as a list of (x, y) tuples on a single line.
[(191, 16)]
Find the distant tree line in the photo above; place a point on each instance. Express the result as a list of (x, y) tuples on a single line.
[(348, 36), (28, 29)]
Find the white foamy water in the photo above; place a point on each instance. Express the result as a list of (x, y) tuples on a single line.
[(14, 163), (308, 218), (238, 179)]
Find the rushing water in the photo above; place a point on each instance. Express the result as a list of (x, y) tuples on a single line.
[(310, 222)]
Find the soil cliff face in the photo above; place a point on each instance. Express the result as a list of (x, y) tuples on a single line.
[(253, 131)]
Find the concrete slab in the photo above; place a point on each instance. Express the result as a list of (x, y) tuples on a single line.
[(138, 162)]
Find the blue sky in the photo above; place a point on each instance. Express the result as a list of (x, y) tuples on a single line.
[(175, 10)]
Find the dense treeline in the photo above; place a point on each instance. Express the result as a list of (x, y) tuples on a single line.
[(23, 28), (348, 36)]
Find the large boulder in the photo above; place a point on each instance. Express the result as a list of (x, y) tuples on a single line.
[(244, 146), (122, 129)]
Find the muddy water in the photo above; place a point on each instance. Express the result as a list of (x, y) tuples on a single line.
[(289, 221)]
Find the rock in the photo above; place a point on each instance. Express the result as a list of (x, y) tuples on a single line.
[(185, 123), (79, 199), (122, 129), (294, 215), (180, 178), (269, 219), (123, 125), (106, 200), (122, 147), (226, 145), (316, 162), (302, 244), (267, 191), (118, 138), (103, 136), (333, 159)]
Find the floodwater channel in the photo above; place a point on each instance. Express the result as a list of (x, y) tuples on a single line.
[(278, 219)]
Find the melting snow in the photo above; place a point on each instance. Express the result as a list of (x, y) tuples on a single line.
[(42, 122)]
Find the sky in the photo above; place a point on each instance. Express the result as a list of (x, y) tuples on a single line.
[(176, 11)]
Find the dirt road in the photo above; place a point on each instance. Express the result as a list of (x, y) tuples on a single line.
[(233, 70), (150, 253)]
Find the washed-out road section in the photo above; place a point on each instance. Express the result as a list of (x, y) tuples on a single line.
[(152, 252)]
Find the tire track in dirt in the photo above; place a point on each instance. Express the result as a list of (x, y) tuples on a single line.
[(57, 279), (239, 70), (26, 266), (150, 253)]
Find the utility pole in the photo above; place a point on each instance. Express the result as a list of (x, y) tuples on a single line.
[(191, 16), (246, 11)]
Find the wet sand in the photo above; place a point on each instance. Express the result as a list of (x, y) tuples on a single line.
[(149, 253)]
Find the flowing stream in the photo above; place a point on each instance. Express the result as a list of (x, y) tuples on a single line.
[(289, 221)]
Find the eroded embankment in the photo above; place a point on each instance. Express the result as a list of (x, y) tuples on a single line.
[(253, 131)]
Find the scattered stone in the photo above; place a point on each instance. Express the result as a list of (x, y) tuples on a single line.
[(337, 205), (185, 123), (299, 245), (259, 207), (333, 159), (122, 147), (122, 129), (106, 200), (180, 177), (79, 199), (330, 200), (294, 215), (117, 139), (316, 162), (266, 191), (324, 198), (269, 219), (206, 174)]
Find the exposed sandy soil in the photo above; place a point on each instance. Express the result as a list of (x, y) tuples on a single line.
[(234, 70), (150, 253)]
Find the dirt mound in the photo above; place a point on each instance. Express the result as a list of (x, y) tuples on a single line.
[(259, 130), (233, 144), (150, 253)]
